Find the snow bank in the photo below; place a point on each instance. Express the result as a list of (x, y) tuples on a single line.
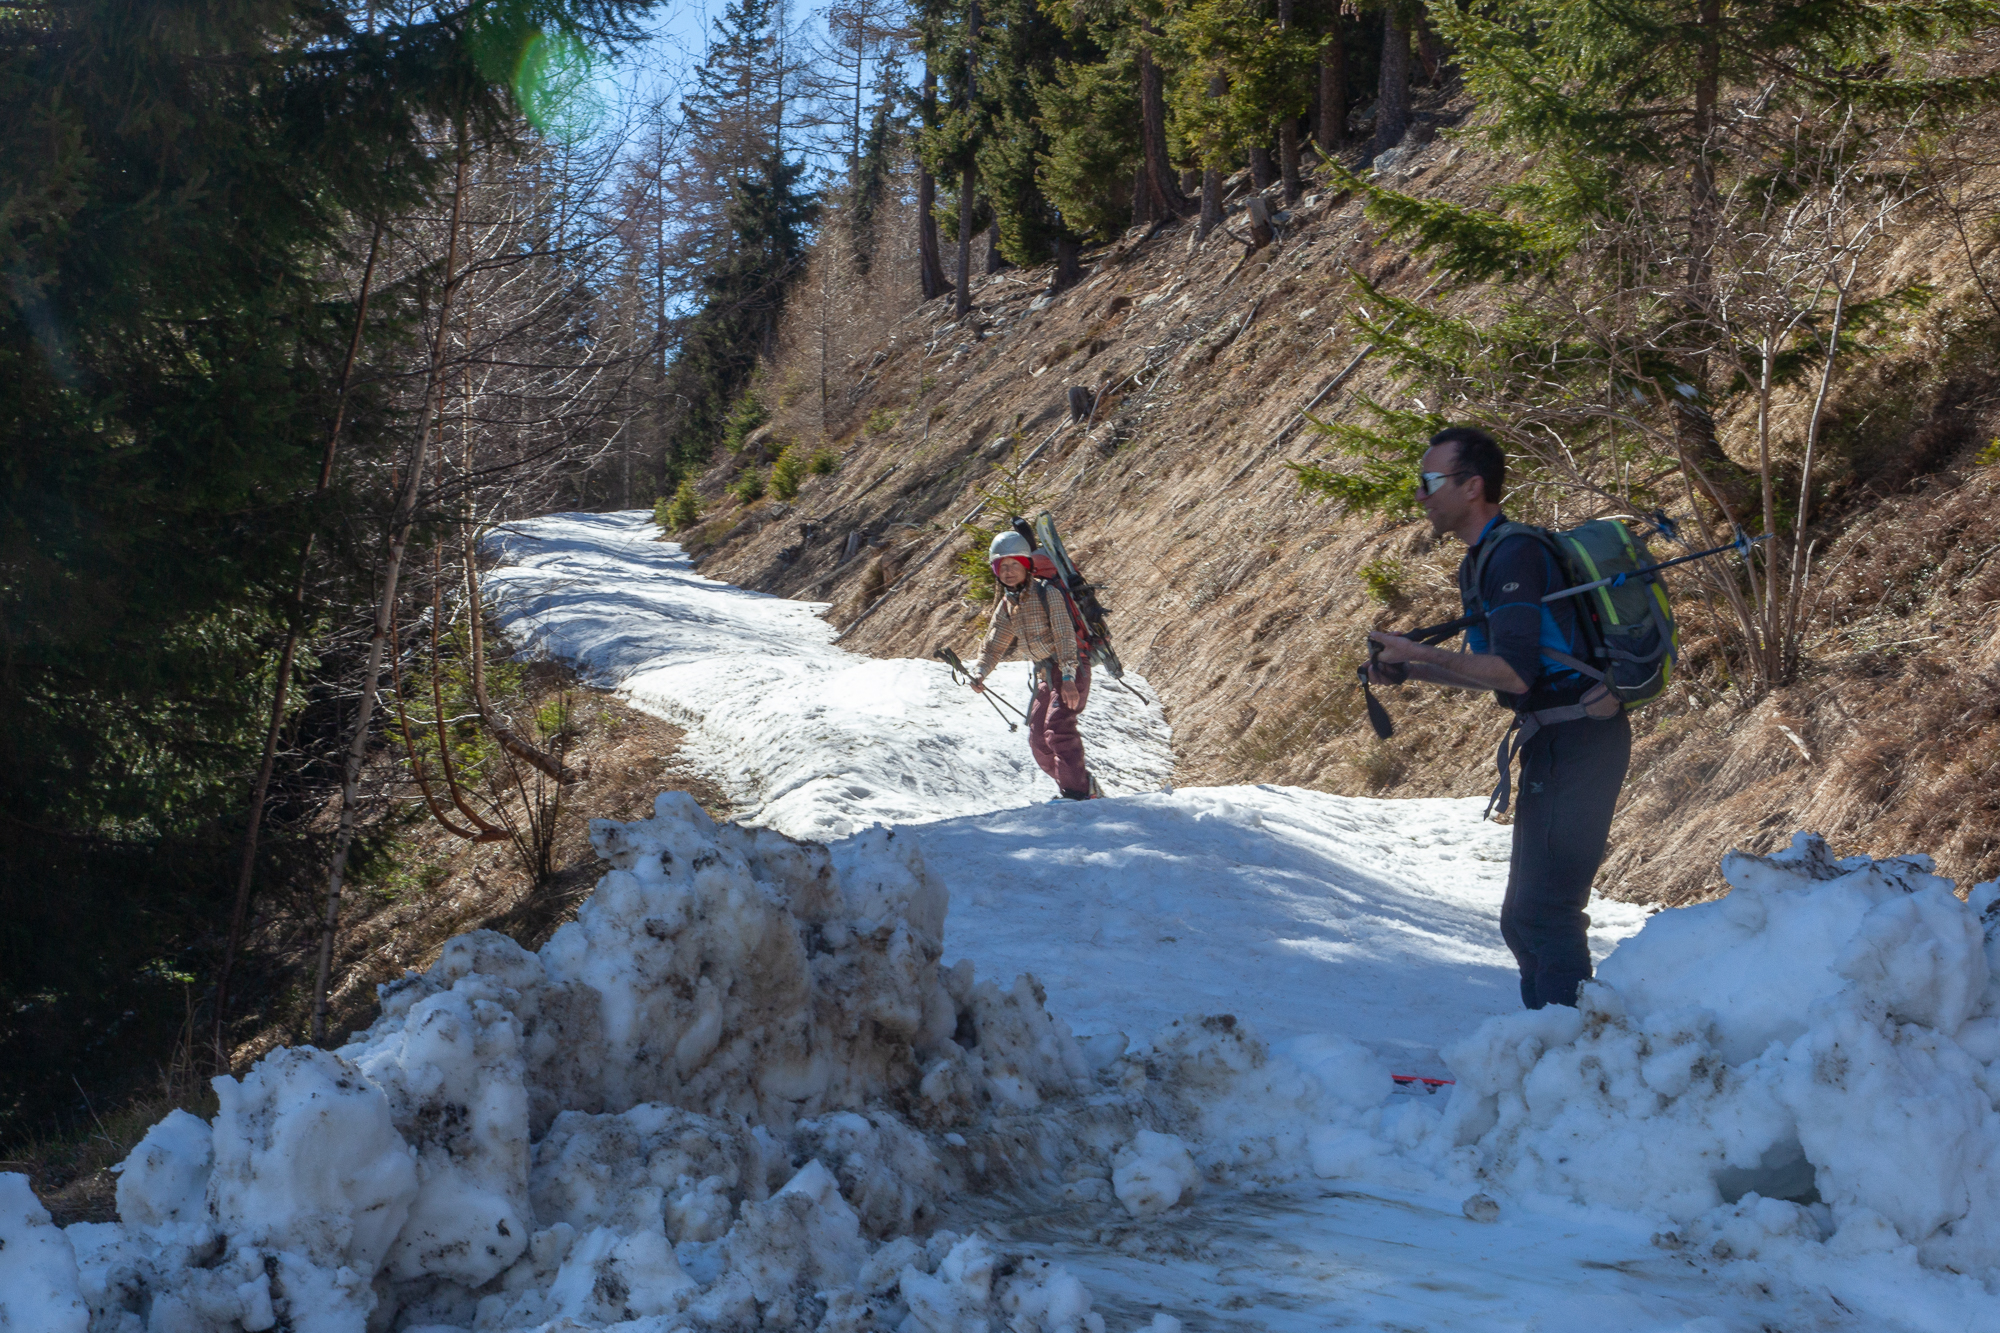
[(703, 1104), (1809, 1059)]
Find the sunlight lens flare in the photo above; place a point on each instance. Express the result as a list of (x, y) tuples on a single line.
[(557, 86)]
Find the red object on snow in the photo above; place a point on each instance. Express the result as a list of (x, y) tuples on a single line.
[(1427, 1082)]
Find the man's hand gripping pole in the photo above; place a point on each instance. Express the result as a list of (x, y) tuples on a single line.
[(1395, 673)]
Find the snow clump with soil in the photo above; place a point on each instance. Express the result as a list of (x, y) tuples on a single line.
[(705, 1104), (1808, 1061)]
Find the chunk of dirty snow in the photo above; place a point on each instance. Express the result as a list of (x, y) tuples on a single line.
[(39, 1291), (1154, 1173)]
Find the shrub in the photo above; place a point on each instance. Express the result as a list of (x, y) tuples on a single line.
[(681, 512), (746, 416), (882, 419), (788, 472), (1384, 579), (748, 486), (824, 463), (981, 586), (556, 720)]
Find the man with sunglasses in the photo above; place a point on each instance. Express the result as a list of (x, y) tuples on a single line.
[(1577, 741)]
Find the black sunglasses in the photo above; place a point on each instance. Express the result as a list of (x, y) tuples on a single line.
[(1430, 483)]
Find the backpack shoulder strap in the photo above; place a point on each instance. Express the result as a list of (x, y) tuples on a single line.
[(1491, 543), (1070, 609)]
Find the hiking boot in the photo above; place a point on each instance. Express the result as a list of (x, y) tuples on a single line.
[(1077, 793)]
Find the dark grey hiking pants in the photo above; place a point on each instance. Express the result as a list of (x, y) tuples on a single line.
[(1570, 775)]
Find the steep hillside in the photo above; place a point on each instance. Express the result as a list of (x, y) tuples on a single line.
[(1245, 604)]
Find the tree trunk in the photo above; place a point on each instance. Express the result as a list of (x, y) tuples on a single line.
[(1164, 195), (995, 261), (1392, 107), (1701, 178), (930, 264), (1332, 133), (401, 519), (246, 867), (1142, 212), (963, 306), (1068, 270), (1288, 128), (1211, 176), (1694, 428), (1263, 170)]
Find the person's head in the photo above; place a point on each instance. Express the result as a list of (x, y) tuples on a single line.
[(1464, 476), (1011, 559)]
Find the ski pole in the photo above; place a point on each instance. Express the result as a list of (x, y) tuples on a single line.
[(1742, 543), (950, 659)]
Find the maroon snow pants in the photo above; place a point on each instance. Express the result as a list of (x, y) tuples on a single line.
[(1052, 731)]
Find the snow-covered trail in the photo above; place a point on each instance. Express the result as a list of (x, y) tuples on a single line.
[(1297, 911), (1300, 912), (807, 738), (1778, 1113)]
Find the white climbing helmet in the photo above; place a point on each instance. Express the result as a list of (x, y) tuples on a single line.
[(1008, 544)]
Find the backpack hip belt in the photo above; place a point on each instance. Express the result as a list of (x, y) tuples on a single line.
[(1527, 722)]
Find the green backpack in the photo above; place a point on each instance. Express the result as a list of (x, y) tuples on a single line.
[(1625, 618)]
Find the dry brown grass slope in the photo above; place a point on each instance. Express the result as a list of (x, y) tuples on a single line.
[(1245, 604)]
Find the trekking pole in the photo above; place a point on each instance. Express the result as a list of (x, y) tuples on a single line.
[(950, 659), (1378, 716), (1119, 681), (1743, 543)]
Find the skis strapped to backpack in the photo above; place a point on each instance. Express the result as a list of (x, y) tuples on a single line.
[(1051, 562)]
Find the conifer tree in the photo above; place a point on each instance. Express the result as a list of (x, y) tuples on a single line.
[(875, 163), (1019, 38), (1244, 68), (1706, 181), (182, 185), (1093, 168), (949, 35), (751, 215)]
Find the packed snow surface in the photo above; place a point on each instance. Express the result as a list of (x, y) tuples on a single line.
[(748, 1087), (808, 738)]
